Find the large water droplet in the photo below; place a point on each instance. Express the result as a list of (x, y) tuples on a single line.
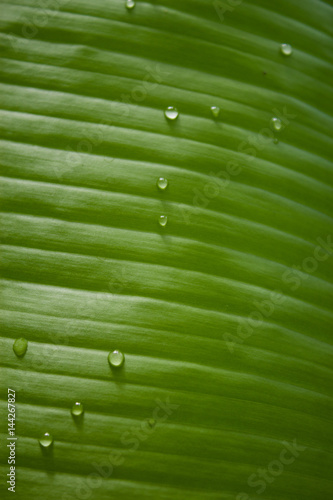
[(129, 4), (215, 111), (162, 220), (286, 49), (162, 183), (116, 359), (171, 113), (20, 346), (46, 440), (77, 409), (276, 123)]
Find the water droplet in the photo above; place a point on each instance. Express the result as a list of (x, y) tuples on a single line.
[(46, 440), (130, 4), (286, 49), (116, 359), (276, 141), (20, 346), (77, 409), (151, 422), (162, 220), (276, 123), (215, 111), (171, 113), (162, 183)]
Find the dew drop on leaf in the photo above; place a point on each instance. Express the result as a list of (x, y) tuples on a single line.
[(77, 409), (162, 183), (130, 4), (162, 220), (20, 346), (286, 49), (151, 422), (46, 440), (116, 359), (171, 113), (276, 123), (215, 111)]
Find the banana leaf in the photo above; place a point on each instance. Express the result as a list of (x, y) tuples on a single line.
[(167, 249)]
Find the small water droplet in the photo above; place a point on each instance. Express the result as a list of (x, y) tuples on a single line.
[(286, 49), (77, 409), (276, 141), (116, 359), (130, 4), (171, 113), (46, 440), (215, 111), (276, 123), (162, 183), (151, 422), (162, 220), (20, 346)]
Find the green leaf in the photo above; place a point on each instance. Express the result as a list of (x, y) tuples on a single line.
[(224, 314)]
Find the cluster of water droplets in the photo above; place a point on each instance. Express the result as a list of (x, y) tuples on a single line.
[(116, 358), (46, 440), (171, 113), (162, 184), (287, 50)]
